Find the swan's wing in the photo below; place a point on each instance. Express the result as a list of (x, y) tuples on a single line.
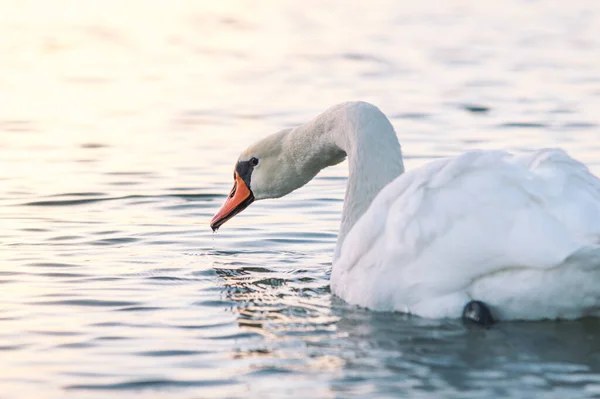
[(438, 228), (572, 191)]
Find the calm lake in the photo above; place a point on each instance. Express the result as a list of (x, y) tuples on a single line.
[(120, 123)]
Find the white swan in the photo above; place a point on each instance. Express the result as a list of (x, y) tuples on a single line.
[(520, 233)]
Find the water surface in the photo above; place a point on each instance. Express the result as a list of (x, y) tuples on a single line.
[(119, 127)]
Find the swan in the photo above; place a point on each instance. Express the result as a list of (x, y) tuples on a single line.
[(485, 235)]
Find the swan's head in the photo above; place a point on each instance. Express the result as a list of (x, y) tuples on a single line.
[(267, 169)]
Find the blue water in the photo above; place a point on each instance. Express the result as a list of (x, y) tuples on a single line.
[(120, 123)]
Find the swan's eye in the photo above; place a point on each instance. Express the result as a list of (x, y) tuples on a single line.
[(253, 161)]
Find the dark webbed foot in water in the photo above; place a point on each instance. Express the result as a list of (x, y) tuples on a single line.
[(476, 312)]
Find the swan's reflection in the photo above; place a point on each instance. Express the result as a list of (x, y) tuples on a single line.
[(442, 355), (306, 329)]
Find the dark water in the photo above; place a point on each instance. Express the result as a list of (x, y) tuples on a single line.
[(119, 127)]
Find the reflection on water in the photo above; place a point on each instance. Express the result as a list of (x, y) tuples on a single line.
[(119, 126)]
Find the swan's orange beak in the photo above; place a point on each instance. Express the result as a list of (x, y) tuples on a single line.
[(239, 198)]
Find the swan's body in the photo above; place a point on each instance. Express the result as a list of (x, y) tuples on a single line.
[(520, 233)]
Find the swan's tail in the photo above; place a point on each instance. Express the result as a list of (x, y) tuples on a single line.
[(586, 258), (568, 291)]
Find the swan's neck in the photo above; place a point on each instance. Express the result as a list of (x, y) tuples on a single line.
[(362, 132)]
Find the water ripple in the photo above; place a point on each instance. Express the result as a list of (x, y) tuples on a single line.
[(87, 303), (149, 384), (68, 202)]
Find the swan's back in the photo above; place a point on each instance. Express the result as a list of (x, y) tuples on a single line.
[(434, 232), (572, 192)]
